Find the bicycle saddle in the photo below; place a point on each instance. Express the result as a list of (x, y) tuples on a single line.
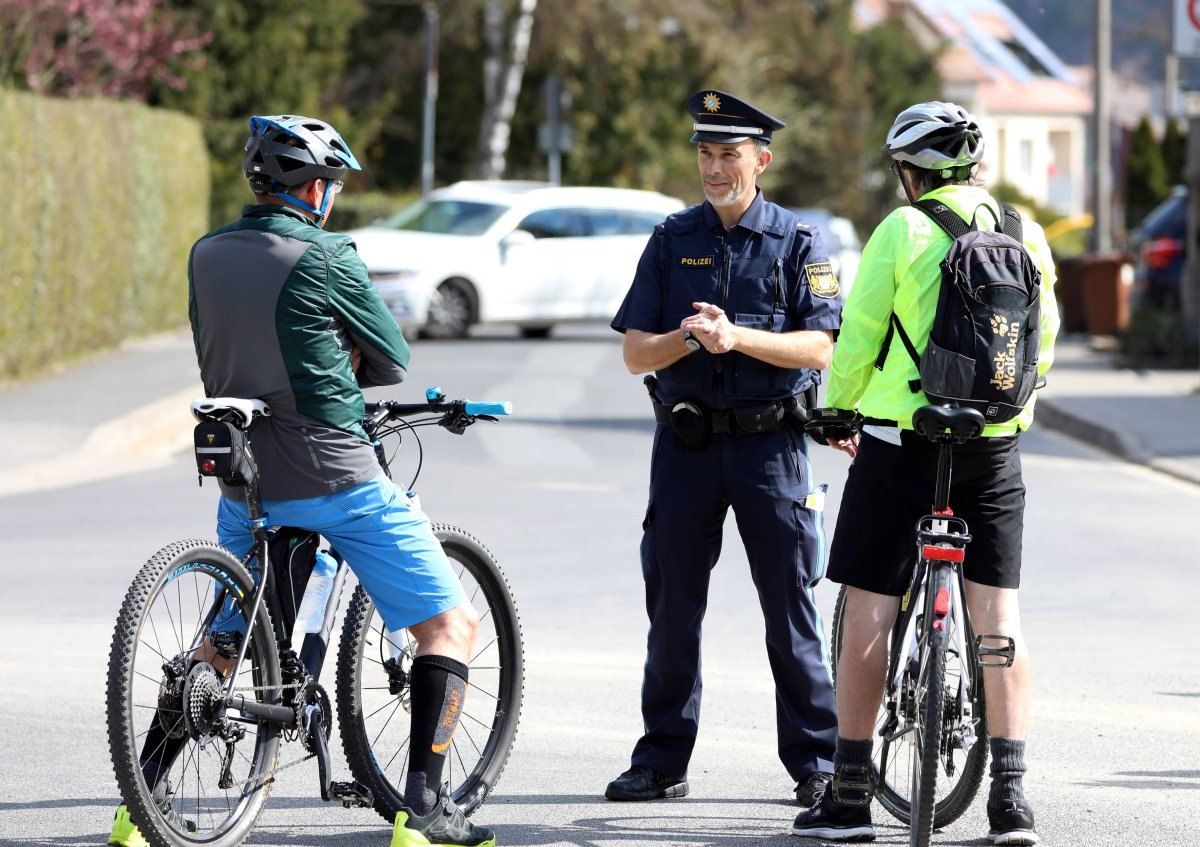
[(933, 421), (242, 411)]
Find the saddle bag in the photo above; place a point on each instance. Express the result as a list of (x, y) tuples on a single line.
[(223, 451)]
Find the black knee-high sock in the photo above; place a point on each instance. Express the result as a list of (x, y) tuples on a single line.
[(438, 687), (159, 752)]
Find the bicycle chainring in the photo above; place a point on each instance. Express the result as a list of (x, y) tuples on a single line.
[(315, 695)]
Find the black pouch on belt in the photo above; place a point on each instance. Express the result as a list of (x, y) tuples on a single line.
[(692, 425), (755, 419)]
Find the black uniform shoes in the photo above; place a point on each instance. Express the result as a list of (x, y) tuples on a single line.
[(643, 783)]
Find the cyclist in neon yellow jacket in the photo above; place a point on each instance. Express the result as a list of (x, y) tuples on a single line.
[(936, 148)]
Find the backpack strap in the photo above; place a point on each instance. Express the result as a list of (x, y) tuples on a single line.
[(894, 326), (1011, 225), (945, 217)]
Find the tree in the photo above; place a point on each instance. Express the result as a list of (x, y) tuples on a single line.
[(1174, 152), (1146, 182), (97, 48), (503, 71), (264, 58), (896, 72)]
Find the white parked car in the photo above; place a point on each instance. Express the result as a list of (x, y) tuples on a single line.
[(528, 253)]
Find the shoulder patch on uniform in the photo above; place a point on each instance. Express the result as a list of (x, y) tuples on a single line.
[(822, 281)]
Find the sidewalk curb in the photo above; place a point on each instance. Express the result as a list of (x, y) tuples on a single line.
[(1055, 416), (143, 439)]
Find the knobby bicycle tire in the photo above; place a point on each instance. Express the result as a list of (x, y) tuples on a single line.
[(166, 612), (957, 798), (931, 689), (375, 723)]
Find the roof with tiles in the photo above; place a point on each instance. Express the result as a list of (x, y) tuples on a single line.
[(987, 45)]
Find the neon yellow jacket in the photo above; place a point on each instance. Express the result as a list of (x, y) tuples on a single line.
[(900, 272)]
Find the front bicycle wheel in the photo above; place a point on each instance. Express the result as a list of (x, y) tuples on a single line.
[(373, 694), (190, 770), (964, 748)]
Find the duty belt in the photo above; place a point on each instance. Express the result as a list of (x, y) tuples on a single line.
[(748, 420)]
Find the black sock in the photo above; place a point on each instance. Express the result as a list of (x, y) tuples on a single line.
[(848, 752), (437, 689), (159, 752), (1008, 766)]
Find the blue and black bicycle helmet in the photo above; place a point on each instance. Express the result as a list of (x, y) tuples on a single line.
[(936, 136), (284, 151)]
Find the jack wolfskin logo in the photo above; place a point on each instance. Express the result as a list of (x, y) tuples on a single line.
[(1005, 361)]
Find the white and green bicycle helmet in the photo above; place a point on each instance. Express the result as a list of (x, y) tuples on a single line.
[(936, 136)]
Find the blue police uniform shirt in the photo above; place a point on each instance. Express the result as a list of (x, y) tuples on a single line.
[(770, 272)]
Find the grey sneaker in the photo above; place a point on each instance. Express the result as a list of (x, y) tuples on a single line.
[(445, 824)]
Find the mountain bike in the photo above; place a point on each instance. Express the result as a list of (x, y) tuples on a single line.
[(202, 658), (932, 720)]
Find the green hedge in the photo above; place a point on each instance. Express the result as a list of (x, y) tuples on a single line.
[(103, 201)]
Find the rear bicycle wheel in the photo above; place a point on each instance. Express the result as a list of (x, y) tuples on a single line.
[(964, 754), (165, 690), (931, 686), (373, 700)]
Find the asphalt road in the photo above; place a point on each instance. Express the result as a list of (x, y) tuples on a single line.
[(557, 492)]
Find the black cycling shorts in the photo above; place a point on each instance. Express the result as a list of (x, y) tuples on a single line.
[(890, 487)]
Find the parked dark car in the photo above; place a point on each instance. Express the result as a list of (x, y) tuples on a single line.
[(1158, 250)]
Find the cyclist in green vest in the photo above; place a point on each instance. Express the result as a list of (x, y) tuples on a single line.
[(936, 149)]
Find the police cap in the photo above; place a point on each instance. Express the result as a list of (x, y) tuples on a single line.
[(725, 119)]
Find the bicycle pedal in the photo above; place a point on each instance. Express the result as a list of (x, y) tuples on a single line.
[(991, 656), (351, 794), (852, 785)]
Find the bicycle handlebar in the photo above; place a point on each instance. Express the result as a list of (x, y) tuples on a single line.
[(457, 415)]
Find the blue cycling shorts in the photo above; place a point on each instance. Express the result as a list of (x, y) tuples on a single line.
[(386, 541)]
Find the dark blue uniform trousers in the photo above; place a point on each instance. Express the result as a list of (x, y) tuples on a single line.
[(765, 478)]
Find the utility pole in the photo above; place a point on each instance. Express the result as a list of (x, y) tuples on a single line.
[(431, 92), (1102, 131), (1185, 45)]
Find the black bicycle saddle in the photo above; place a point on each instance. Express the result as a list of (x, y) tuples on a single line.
[(961, 423)]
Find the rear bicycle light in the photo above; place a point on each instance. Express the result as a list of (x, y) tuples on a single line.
[(943, 554)]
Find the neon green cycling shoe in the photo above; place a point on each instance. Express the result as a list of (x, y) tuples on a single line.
[(444, 825), (124, 833)]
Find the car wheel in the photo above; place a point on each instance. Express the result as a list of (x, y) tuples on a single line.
[(535, 332), (451, 310)]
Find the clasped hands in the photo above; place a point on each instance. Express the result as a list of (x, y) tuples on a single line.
[(710, 327)]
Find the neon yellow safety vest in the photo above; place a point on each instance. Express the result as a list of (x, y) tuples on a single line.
[(900, 272)]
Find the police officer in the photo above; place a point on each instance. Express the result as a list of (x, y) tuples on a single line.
[(734, 307)]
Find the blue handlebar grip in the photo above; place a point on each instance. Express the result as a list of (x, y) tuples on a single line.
[(482, 408)]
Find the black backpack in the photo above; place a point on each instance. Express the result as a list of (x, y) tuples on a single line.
[(983, 345)]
